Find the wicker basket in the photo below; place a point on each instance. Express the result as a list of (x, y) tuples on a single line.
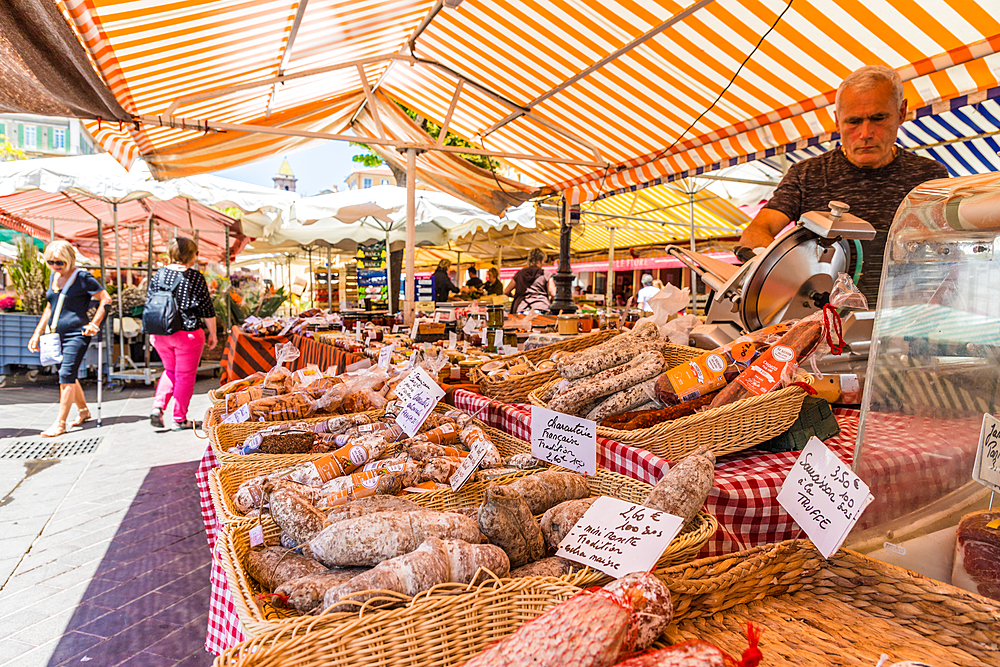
[(845, 611), (443, 628), (253, 605), (257, 614), (731, 428), (516, 389), (224, 481)]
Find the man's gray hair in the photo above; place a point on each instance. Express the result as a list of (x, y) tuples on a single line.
[(647, 279), (868, 77)]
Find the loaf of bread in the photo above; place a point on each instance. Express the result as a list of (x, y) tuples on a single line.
[(507, 522), (434, 562), (371, 505), (682, 491), (548, 488), (368, 540), (296, 517), (552, 566), (305, 594), (559, 520), (273, 566)]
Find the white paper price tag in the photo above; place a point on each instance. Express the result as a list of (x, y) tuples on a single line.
[(619, 537), (357, 331), (986, 469), (418, 393), (452, 340), (437, 316), (498, 339), (471, 326), (256, 536), (824, 496), (413, 331), (240, 415), (468, 466), (385, 356), (564, 440), (413, 359), (395, 328)]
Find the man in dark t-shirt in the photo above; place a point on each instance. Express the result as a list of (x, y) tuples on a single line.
[(867, 171)]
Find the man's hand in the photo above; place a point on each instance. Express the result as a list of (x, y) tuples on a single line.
[(763, 228), (33, 343)]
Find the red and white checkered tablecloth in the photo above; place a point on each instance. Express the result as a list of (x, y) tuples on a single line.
[(744, 498), (224, 627)]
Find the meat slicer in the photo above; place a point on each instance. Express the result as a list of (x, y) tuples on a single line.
[(791, 278)]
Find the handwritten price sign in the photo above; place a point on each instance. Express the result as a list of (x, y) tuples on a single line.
[(418, 393), (618, 537), (824, 496), (986, 470), (564, 440)]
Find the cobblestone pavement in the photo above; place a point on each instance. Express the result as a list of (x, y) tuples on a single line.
[(104, 560)]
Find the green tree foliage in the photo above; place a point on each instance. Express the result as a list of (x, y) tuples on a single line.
[(9, 152), (372, 159)]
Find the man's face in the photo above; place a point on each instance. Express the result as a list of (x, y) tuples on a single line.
[(868, 124)]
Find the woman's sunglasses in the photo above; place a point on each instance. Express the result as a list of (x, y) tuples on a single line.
[(55, 262)]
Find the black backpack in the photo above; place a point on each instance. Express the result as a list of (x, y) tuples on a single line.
[(161, 315)]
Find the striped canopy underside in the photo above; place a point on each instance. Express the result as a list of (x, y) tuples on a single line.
[(648, 113)]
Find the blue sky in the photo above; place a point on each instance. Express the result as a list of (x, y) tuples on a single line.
[(319, 168)]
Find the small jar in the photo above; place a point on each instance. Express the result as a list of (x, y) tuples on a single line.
[(491, 338), (586, 324), (494, 316), (568, 324), (612, 321), (510, 339)]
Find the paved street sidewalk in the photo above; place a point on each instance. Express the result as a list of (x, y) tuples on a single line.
[(104, 560)]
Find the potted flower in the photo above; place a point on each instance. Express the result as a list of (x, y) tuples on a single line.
[(8, 303)]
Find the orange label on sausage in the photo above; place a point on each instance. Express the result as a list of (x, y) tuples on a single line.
[(765, 373), (706, 373), (443, 435), (328, 467)]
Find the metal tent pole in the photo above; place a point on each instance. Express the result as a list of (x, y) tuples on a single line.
[(411, 233), (105, 324), (610, 287), (694, 277), (388, 270), (312, 294), (52, 229), (329, 280), (131, 234), (118, 281), (149, 279), (229, 313)]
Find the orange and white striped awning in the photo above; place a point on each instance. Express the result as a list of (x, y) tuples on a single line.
[(583, 97)]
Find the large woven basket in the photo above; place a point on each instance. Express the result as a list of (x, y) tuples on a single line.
[(442, 628), (225, 436), (257, 613), (253, 606), (845, 611), (516, 389), (224, 481), (731, 428)]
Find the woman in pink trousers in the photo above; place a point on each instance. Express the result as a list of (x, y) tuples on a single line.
[(181, 351)]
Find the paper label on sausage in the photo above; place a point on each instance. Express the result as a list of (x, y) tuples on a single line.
[(256, 535), (328, 468), (706, 373), (767, 371)]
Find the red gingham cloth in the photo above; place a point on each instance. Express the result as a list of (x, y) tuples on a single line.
[(743, 500), (224, 628)]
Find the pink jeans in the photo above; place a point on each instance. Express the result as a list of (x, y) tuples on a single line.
[(181, 354)]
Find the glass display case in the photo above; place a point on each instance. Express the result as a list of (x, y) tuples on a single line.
[(933, 371)]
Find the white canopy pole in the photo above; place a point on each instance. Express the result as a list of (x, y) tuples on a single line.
[(610, 290), (694, 276), (388, 269), (118, 280), (411, 233)]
